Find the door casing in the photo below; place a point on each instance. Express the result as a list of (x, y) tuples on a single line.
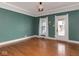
[(66, 37)]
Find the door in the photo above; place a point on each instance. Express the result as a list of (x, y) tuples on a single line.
[(61, 27), (43, 26)]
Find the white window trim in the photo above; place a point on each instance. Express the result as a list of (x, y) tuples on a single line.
[(46, 26), (67, 34)]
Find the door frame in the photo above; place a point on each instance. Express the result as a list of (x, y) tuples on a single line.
[(47, 30), (67, 26)]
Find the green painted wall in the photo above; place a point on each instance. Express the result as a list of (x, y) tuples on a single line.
[(73, 24), (36, 26), (15, 25), (51, 20)]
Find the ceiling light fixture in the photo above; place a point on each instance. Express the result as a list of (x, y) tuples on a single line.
[(40, 7)]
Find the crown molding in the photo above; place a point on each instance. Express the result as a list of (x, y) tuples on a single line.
[(12, 7), (59, 10)]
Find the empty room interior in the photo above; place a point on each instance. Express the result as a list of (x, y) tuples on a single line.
[(39, 28)]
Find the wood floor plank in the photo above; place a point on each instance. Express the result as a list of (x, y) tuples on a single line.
[(40, 47)]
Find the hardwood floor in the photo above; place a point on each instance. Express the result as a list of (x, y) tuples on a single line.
[(40, 47)]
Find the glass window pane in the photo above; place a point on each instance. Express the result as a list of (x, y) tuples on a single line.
[(43, 27), (61, 28)]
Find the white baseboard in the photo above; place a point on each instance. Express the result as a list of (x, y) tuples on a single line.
[(70, 41), (15, 40), (45, 37), (25, 38)]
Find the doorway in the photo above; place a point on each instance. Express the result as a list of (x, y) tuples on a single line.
[(61, 27), (43, 26)]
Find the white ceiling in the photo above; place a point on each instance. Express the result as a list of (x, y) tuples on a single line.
[(49, 7)]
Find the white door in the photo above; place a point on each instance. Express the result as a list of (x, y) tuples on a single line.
[(61, 27), (43, 26)]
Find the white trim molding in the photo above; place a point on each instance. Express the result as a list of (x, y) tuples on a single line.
[(65, 18), (27, 38), (12, 7), (40, 26), (70, 41), (62, 9), (15, 40)]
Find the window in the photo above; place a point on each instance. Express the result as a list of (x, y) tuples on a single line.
[(43, 26), (61, 28)]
